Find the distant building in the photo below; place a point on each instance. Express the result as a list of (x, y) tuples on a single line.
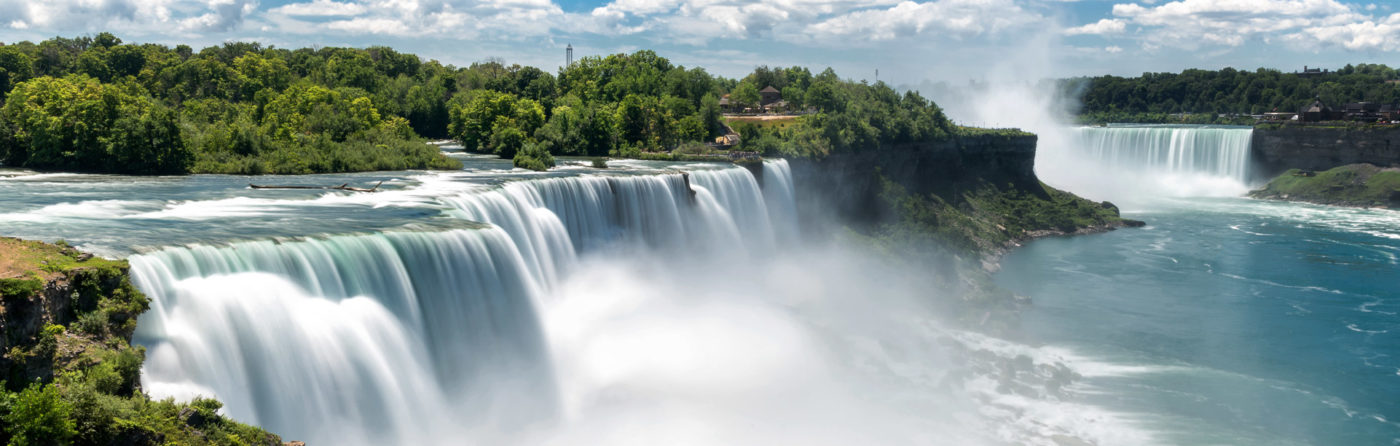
[(1317, 111), (1309, 72), (769, 95), (725, 104), (1390, 112), (1362, 111)]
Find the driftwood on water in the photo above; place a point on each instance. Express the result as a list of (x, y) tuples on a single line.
[(345, 186)]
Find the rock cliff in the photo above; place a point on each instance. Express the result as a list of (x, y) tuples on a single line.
[(1276, 150)]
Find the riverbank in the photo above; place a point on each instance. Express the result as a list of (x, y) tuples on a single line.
[(72, 375), (1354, 185)]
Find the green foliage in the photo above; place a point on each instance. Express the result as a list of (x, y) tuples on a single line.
[(534, 157), (99, 104), (986, 217), (76, 380), (745, 95), (494, 122), (1351, 185), (1152, 97), (599, 163), (19, 288), (38, 416), (77, 123)]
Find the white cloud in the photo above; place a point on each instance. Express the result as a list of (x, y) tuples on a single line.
[(1365, 35), (1113, 49), (1101, 27), (80, 14), (224, 15), (1303, 24), (957, 18), (321, 8)]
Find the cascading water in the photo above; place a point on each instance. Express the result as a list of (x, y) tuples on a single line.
[(388, 338), (1123, 162), (636, 305), (373, 331)]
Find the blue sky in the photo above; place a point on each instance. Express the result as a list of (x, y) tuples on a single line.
[(908, 41)]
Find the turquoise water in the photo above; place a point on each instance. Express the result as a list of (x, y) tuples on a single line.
[(1228, 321)]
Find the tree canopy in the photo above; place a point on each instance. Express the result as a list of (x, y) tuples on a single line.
[(95, 103), (1229, 91)]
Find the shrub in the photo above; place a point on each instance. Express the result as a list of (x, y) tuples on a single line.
[(39, 416), (533, 157)]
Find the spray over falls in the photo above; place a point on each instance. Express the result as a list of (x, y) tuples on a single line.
[(368, 338)]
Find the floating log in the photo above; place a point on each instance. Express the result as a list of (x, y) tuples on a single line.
[(345, 186)]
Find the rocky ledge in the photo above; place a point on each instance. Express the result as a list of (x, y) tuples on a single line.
[(1355, 185), (71, 374)]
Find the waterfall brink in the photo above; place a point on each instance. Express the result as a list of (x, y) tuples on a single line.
[(392, 338), (372, 331), (1125, 162)]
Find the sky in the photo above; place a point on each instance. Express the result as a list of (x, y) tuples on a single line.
[(907, 41)]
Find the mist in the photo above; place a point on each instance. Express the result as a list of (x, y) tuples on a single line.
[(1023, 92)]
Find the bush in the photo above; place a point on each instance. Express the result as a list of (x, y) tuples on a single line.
[(600, 163), (39, 416), (533, 157)]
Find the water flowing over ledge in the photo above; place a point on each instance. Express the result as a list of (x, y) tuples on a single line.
[(1134, 161), (369, 338)]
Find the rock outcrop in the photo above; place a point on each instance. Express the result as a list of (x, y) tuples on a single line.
[(1317, 148)]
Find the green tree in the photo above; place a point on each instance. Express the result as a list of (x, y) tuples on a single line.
[(745, 95), (39, 416)]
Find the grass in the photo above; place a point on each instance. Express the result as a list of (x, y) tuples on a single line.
[(763, 122), (985, 219), (26, 259), (1351, 185), (979, 131)]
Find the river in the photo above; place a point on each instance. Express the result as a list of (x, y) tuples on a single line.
[(586, 306)]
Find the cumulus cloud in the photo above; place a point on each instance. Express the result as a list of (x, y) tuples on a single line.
[(452, 19), (223, 15), (1365, 35), (99, 14), (321, 8), (1101, 27), (1303, 24), (955, 18)]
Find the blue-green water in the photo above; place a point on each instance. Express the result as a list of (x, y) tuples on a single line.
[(1228, 321)]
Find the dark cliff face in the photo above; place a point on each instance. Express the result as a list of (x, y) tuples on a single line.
[(848, 185), (1314, 148)]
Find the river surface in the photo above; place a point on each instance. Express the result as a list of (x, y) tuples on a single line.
[(1230, 321), (640, 305)]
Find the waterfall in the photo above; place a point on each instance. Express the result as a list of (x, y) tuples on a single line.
[(1134, 161), (373, 331), (392, 338)]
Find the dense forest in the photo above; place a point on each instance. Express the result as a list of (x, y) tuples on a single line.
[(96, 104), (1155, 97)]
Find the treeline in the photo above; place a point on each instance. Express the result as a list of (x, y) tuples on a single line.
[(1154, 97), (850, 116), (97, 104)]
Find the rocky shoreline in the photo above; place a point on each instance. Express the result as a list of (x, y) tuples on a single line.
[(1353, 185)]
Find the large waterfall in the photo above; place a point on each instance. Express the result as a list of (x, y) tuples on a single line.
[(1133, 161), (382, 338)]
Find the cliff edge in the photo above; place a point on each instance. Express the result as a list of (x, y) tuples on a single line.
[(71, 374), (976, 193), (1278, 148)]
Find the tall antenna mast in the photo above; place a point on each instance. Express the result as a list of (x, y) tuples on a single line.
[(569, 56)]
